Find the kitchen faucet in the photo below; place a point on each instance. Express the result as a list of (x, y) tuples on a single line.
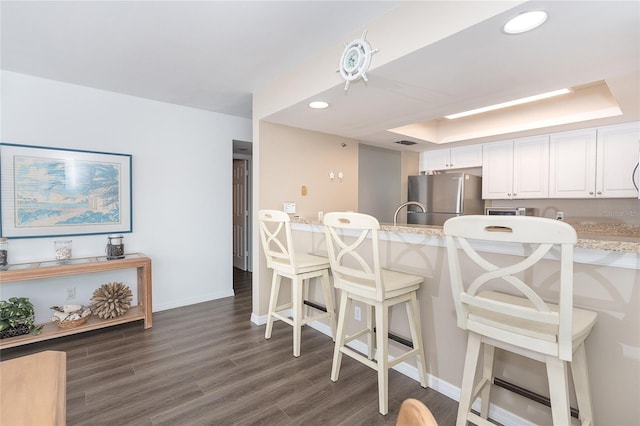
[(408, 203)]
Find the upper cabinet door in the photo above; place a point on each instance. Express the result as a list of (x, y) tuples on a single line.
[(594, 163), (497, 170), (466, 156), (435, 160), (451, 158), (572, 164), (516, 169), (617, 155), (531, 167)]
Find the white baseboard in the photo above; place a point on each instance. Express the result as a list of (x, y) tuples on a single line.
[(496, 413), (258, 320), (177, 303)]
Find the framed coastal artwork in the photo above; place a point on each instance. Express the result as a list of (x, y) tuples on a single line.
[(62, 192)]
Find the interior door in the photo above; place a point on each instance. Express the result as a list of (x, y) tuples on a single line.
[(240, 214)]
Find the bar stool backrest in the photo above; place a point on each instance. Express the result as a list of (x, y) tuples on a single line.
[(277, 242), (531, 323), (352, 258)]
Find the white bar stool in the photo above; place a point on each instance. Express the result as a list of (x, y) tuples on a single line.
[(277, 243), (366, 282), (514, 317)]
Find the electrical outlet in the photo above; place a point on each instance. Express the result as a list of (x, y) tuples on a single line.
[(560, 215), (357, 313), (71, 293)]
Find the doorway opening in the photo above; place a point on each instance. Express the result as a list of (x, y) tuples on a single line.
[(241, 181)]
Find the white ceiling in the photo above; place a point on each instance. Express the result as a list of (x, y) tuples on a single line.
[(212, 55), (582, 42)]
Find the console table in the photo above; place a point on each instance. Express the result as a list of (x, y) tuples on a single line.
[(43, 270)]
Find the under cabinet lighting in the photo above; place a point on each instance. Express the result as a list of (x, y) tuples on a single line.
[(524, 22), (509, 104)]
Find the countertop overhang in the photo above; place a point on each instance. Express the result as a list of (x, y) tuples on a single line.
[(608, 244)]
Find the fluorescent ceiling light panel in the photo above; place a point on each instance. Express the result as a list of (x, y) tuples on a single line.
[(525, 22), (509, 104)]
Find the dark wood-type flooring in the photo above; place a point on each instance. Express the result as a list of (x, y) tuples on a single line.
[(208, 364)]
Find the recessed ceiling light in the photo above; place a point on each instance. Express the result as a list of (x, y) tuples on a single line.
[(318, 104), (509, 103), (525, 22)]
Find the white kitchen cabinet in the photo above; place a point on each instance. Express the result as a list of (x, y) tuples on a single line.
[(497, 170), (451, 158), (435, 160), (516, 169), (594, 163), (616, 156)]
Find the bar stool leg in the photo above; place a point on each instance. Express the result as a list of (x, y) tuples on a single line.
[(371, 341), (487, 378), (382, 340), (327, 292), (345, 304), (296, 299), (558, 390), (416, 336), (581, 382), (466, 390), (273, 303)]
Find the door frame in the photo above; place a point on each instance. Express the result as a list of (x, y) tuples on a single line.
[(246, 154)]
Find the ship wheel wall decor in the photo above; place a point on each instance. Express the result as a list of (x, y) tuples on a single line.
[(355, 60)]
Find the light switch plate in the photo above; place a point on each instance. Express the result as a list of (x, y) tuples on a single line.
[(289, 208)]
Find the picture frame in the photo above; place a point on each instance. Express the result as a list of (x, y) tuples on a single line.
[(47, 192)]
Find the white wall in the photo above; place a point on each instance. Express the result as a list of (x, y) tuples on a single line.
[(288, 159), (182, 161)]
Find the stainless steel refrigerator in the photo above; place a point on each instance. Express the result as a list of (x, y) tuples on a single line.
[(444, 196)]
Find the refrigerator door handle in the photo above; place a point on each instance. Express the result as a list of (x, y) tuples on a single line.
[(460, 197)]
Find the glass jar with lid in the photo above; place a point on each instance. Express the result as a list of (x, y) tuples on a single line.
[(63, 250), (115, 247), (4, 254)]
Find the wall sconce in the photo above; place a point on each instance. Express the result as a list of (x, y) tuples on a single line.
[(332, 176)]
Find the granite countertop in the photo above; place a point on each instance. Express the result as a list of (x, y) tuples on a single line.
[(608, 236), (623, 238)]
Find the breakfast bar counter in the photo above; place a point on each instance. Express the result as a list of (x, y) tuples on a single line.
[(620, 238), (606, 280)]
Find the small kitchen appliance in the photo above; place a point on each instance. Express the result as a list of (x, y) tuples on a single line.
[(510, 211)]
